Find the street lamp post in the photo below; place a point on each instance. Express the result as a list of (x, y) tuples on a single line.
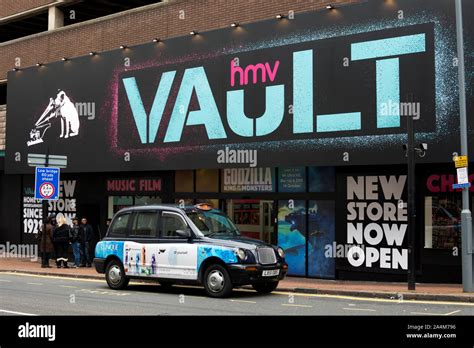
[(411, 208), (466, 218)]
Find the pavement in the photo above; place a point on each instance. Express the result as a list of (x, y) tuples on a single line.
[(378, 290)]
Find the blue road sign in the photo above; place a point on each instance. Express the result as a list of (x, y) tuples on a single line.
[(47, 183), (458, 186)]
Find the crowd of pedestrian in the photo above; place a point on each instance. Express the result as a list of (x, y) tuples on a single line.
[(56, 236)]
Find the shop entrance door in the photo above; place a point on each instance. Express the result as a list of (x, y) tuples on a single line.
[(253, 217), (266, 222)]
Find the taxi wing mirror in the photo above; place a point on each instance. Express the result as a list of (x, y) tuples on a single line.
[(184, 233)]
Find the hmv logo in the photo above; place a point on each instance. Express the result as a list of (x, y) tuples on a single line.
[(291, 80)]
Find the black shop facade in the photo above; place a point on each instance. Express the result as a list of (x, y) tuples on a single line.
[(271, 131)]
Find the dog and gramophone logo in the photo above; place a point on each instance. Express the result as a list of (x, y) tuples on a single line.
[(63, 110)]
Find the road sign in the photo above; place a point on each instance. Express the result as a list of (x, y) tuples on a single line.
[(39, 160), (47, 183), (458, 186), (460, 161)]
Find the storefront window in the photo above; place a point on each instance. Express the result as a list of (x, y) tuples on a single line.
[(321, 234), (184, 181), (292, 234), (443, 222), (292, 179), (322, 179), (207, 180), (119, 202), (184, 201), (147, 200), (253, 217)]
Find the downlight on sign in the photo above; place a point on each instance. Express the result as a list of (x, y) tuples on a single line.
[(376, 222)]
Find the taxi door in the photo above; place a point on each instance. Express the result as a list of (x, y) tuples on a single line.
[(177, 255)]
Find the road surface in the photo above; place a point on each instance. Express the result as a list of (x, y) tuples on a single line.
[(22, 294)]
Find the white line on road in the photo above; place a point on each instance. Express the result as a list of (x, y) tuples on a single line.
[(424, 313), (296, 305), (453, 312), (6, 281), (17, 313), (243, 301), (67, 286), (428, 313), (369, 299), (360, 309), (34, 283)]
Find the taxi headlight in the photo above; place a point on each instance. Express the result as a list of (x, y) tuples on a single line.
[(241, 254), (281, 252)]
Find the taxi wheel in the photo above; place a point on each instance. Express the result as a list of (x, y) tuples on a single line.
[(265, 288), (115, 275), (217, 281)]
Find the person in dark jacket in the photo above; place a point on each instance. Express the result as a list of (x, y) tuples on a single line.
[(45, 241), (61, 241), (75, 238), (87, 234)]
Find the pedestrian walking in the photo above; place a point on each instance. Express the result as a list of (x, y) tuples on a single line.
[(61, 241), (75, 238), (45, 241), (86, 235)]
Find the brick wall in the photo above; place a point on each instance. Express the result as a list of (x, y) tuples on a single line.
[(143, 24), (10, 7)]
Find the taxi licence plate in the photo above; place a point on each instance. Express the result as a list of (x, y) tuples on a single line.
[(270, 273)]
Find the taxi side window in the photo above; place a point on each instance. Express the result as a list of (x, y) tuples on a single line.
[(145, 224), (120, 226), (170, 222)]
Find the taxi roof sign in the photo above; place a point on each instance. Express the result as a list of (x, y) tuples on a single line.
[(204, 206)]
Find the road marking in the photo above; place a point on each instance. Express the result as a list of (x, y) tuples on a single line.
[(296, 305), (102, 292), (67, 286), (6, 281), (453, 312), (34, 283), (243, 301), (369, 299), (52, 277), (360, 309), (17, 313), (425, 313)]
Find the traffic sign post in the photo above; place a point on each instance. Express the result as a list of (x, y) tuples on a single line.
[(47, 183), (47, 187)]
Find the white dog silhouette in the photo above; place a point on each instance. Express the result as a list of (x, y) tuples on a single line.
[(68, 114)]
